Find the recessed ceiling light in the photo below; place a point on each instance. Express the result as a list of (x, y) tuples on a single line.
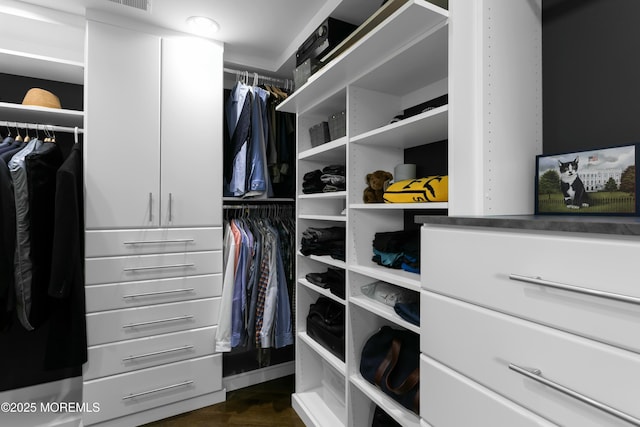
[(203, 25)]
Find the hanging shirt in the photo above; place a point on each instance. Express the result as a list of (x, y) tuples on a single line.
[(223, 333), (22, 261)]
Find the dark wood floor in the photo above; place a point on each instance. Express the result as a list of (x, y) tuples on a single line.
[(262, 405)]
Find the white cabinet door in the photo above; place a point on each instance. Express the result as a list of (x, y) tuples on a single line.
[(122, 154), (191, 179)]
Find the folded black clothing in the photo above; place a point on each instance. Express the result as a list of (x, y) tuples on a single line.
[(313, 190), (315, 234), (309, 176), (333, 252), (334, 170), (333, 279), (397, 241), (318, 279)]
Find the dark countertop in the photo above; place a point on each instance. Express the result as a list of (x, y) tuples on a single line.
[(629, 226)]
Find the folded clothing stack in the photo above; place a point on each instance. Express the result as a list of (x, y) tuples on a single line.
[(398, 249), (333, 279), (331, 178), (323, 241), (404, 301)]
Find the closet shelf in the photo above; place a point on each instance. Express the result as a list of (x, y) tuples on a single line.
[(383, 311), (401, 206), (331, 151), (326, 259), (390, 406), (333, 195), (400, 278), (336, 363), (424, 128), (411, 20), (40, 115), (337, 218), (41, 67), (312, 407), (322, 291)]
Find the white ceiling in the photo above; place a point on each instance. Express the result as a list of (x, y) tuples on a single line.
[(261, 35)]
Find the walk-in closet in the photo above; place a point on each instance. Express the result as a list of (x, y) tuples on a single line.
[(317, 213)]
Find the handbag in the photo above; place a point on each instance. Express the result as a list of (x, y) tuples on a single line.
[(390, 360), (325, 324)]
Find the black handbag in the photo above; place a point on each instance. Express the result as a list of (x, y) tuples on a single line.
[(390, 360), (325, 324)]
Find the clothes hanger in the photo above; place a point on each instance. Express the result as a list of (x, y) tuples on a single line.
[(19, 137), (255, 79), (27, 138)]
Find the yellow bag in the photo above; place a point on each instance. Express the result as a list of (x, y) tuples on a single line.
[(429, 189)]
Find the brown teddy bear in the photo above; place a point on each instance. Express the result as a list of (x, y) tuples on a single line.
[(375, 190)]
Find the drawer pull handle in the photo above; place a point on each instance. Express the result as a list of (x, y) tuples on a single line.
[(157, 390), (151, 294), (577, 289), (536, 375), (154, 322), (157, 353), (155, 267), (157, 242)]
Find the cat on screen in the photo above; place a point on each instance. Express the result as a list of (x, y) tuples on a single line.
[(575, 195)]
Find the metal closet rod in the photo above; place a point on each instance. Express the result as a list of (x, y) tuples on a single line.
[(39, 126), (247, 75)]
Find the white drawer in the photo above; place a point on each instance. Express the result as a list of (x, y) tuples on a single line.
[(482, 344), (147, 292), (145, 267), (480, 262), (154, 387), (100, 243), (450, 399), (129, 323), (126, 356)]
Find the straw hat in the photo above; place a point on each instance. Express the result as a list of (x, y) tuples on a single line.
[(41, 98)]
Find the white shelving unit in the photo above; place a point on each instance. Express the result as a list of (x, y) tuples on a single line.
[(400, 63), (41, 67)]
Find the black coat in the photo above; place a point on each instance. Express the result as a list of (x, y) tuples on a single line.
[(67, 343)]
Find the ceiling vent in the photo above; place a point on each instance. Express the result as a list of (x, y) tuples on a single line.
[(144, 5)]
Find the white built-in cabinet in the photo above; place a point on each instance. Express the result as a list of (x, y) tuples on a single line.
[(153, 167), (155, 103), (486, 56)]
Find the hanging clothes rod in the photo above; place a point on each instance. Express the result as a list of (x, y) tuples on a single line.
[(246, 74), (38, 126)]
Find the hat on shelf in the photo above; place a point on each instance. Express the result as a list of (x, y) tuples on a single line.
[(41, 98)]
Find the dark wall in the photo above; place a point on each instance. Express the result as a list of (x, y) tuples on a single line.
[(591, 74)]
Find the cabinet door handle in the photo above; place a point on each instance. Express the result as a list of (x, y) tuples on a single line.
[(157, 242), (577, 289), (156, 390), (155, 322), (170, 207), (155, 267), (157, 353), (536, 375), (151, 294), (150, 207)]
